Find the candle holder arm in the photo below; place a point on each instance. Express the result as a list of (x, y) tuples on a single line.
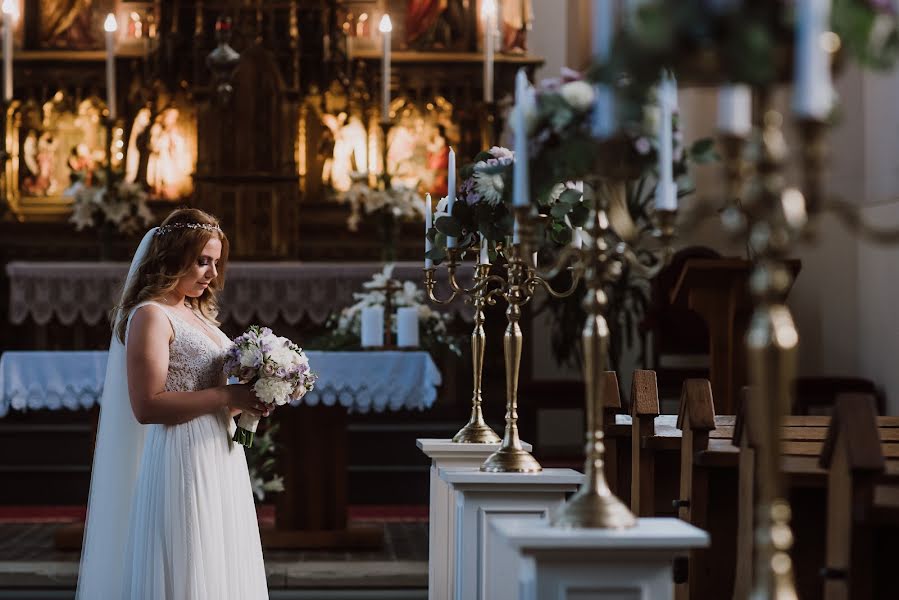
[(850, 215), (536, 280), (430, 281)]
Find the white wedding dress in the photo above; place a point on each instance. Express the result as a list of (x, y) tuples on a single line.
[(193, 532)]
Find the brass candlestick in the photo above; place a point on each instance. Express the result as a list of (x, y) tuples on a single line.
[(600, 262), (773, 216), (476, 431), (517, 289)]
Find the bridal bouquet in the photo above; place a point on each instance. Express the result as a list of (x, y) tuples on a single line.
[(276, 367)]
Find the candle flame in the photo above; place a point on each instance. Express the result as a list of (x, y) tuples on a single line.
[(386, 26), (488, 9), (110, 24), (11, 8)]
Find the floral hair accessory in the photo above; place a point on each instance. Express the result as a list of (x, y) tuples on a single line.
[(167, 228)]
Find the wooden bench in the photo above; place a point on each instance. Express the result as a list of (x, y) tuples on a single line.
[(802, 440), (861, 455), (708, 490)]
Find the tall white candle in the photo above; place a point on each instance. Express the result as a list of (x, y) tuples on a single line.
[(603, 17), (520, 190), (488, 11), (451, 192), (372, 326), (385, 28), (10, 16), (735, 110), (484, 257), (666, 191), (407, 327), (110, 26), (429, 220), (813, 93)]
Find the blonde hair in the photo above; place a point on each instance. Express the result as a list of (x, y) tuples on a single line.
[(170, 257)]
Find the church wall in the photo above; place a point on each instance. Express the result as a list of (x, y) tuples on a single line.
[(878, 279)]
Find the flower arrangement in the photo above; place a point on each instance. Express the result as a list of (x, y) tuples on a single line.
[(481, 210), (401, 202), (126, 210), (346, 326), (277, 368)]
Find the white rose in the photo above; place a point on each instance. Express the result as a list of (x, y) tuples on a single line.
[(579, 94)]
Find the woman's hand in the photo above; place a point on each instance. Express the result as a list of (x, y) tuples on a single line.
[(241, 397)]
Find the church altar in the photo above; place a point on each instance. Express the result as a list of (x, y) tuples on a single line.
[(255, 291), (356, 381)]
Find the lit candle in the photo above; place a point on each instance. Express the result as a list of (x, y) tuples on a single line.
[(520, 192), (735, 110), (10, 16), (603, 120), (813, 90), (110, 27), (488, 11), (429, 219), (484, 259), (666, 191), (385, 28), (451, 193)]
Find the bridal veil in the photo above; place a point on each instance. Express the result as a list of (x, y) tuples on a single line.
[(117, 455)]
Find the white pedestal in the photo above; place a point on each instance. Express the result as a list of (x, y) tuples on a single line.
[(594, 564), (484, 498), (444, 454)]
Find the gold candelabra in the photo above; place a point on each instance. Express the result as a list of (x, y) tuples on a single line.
[(517, 288), (476, 431), (600, 262)]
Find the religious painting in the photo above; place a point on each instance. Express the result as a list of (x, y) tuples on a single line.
[(72, 24), (58, 144), (162, 149), (440, 25), (418, 145)]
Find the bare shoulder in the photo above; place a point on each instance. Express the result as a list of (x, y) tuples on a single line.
[(150, 322)]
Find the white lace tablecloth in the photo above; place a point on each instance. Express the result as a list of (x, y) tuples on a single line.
[(254, 291), (360, 381)]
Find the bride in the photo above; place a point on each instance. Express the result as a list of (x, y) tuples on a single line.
[(171, 513)]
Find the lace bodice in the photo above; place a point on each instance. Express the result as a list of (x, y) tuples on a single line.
[(195, 361)]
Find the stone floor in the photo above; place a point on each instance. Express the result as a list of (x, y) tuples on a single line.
[(29, 561)]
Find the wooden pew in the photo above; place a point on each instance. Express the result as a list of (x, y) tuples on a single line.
[(708, 490), (655, 442), (802, 440), (861, 455)]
